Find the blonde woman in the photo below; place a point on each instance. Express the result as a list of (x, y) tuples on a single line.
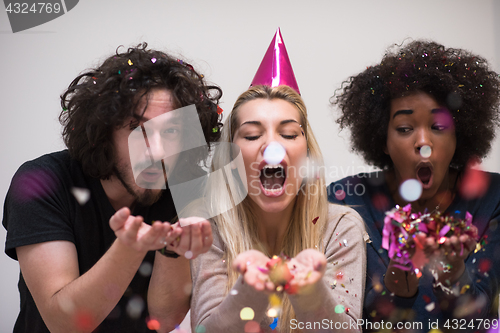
[(283, 213)]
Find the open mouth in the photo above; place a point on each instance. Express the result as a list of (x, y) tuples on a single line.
[(272, 178), (424, 175)]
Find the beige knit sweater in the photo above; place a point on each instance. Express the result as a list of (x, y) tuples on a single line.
[(343, 284)]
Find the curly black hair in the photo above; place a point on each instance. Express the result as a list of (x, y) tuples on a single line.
[(100, 100), (455, 78)]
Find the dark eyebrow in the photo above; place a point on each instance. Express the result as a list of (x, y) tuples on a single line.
[(252, 122), (175, 119), (258, 123), (402, 112)]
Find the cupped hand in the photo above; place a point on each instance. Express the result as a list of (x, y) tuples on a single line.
[(308, 268), (252, 266), (138, 235), (193, 236)]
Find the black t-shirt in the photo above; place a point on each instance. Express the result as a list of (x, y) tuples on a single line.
[(40, 206)]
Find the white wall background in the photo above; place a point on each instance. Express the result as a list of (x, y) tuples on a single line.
[(326, 40)]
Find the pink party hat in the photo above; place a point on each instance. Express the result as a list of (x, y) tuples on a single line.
[(276, 69)]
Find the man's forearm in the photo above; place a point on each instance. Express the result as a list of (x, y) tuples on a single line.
[(169, 291)]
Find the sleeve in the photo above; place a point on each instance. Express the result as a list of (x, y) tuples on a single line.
[(339, 299), (34, 209), (211, 307)]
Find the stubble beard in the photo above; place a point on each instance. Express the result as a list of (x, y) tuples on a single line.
[(145, 198)]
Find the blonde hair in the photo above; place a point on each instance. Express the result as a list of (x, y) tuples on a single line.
[(237, 225)]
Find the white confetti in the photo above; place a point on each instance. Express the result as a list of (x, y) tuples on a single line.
[(410, 190), (425, 151), (429, 307), (135, 306), (188, 254), (146, 269), (274, 153), (234, 292), (82, 195)]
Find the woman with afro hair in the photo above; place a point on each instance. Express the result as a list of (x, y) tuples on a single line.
[(426, 112)]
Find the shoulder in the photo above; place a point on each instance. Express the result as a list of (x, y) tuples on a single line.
[(343, 219), (42, 175), (351, 190), (494, 180)]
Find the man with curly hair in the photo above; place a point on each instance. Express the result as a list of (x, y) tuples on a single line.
[(84, 222), (425, 112)]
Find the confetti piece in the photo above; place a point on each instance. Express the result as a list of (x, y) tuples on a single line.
[(380, 201), (188, 288), (188, 255), (339, 309), (274, 153), (340, 276), (82, 195), (153, 60), (234, 292), (247, 314), (315, 220), (274, 324), (200, 329), (475, 182), (464, 289), (425, 151), (252, 327), (410, 190), (153, 324), (272, 313), (219, 110), (484, 265), (145, 269), (340, 195), (66, 304), (84, 321), (274, 300), (345, 242), (429, 307), (130, 63), (135, 306)]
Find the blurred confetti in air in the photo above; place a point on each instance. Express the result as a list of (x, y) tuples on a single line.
[(474, 182)]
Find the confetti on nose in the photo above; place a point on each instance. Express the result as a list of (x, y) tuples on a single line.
[(247, 314), (410, 190), (82, 195), (188, 255), (274, 153), (425, 151)]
